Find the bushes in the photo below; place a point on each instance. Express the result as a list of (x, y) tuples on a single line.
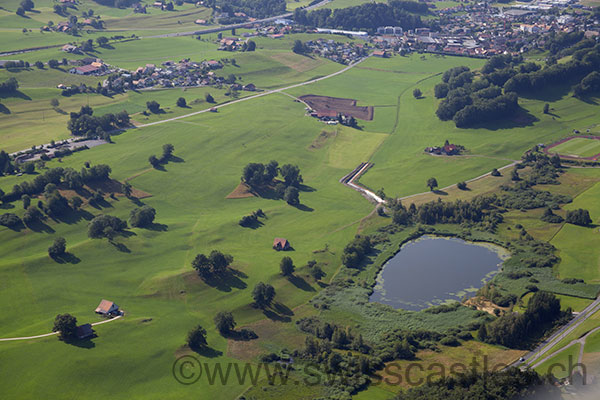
[(579, 217), (106, 226), (251, 220), (356, 251), (213, 266), (58, 248), (142, 217), (515, 330), (10, 220)]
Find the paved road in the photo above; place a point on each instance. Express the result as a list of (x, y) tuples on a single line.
[(54, 333), (534, 357)]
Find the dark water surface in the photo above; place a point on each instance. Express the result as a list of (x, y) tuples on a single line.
[(432, 270)]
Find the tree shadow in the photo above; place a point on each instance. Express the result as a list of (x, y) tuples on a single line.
[(4, 109), (276, 317), (300, 283), (265, 192), (282, 309), (120, 246), (74, 217), (17, 93), (6, 206), (550, 94), (208, 352), (303, 207), (86, 343), (439, 192), (160, 167), (520, 119), (242, 335), (176, 159), (16, 228), (588, 100), (40, 227), (136, 201), (157, 227), (306, 188), (229, 280), (253, 225), (67, 258)]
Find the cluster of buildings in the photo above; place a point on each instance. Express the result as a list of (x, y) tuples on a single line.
[(479, 30), (448, 149), (184, 73), (90, 66), (343, 53)]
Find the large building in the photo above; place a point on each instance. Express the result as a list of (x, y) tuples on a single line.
[(390, 30)]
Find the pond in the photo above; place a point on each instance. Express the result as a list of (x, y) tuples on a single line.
[(432, 270)]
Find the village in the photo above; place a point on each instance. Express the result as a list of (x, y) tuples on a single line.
[(480, 30)]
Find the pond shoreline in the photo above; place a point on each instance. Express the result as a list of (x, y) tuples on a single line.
[(498, 247)]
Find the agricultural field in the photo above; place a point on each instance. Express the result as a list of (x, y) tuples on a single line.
[(200, 201), (577, 147)]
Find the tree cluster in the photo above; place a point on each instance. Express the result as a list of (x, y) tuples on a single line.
[(66, 326), (263, 295), (71, 178), (510, 384), (58, 248), (83, 123), (166, 154), (252, 219), (257, 176), (253, 8), (583, 63), (517, 330), (107, 226), (366, 16), (355, 251), (142, 217), (212, 266), (9, 86), (469, 102), (579, 217), (6, 165)]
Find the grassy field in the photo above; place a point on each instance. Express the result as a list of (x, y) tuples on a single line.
[(580, 147), (23, 116), (154, 280), (148, 273), (579, 247), (559, 364)]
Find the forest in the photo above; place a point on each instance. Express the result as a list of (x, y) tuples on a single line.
[(367, 16)]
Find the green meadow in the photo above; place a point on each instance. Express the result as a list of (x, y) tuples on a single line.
[(579, 147), (147, 271)]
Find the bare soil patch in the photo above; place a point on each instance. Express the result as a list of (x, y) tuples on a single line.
[(326, 106), (241, 191)]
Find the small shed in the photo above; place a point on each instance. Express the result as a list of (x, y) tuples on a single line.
[(107, 307), (280, 244), (84, 331)]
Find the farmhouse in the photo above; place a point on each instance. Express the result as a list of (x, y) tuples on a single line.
[(84, 331), (280, 244), (84, 70), (380, 53), (107, 308)]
